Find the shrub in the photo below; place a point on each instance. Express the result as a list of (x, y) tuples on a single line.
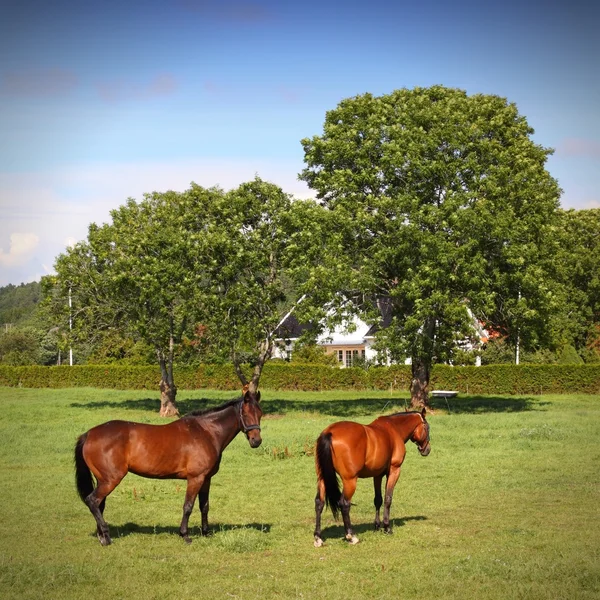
[(493, 379)]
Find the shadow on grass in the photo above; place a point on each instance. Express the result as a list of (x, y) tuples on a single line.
[(117, 531), (486, 404), (356, 407), (338, 531)]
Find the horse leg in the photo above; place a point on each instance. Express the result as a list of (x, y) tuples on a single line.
[(319, 504), (349, 487), (203, 502), (390, 483), (96, 502), (193, 487), (378, 501)]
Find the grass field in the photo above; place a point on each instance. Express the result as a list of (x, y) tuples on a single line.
[(507, 505)]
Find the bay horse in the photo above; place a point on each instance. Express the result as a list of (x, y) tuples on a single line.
[(352, 450), (188, 448)]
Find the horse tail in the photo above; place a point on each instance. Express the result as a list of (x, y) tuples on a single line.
[(83, 475), (326, 471)]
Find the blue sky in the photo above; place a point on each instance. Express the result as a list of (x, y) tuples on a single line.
[(101, 101)]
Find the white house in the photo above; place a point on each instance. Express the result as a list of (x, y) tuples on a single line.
[(346, 343), (353, 341)]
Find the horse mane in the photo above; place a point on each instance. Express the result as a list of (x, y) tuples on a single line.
[(405, 412), (207, 411)]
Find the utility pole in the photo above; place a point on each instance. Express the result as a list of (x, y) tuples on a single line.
[(70, 328)]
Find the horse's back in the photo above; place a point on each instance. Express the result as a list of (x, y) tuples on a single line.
[(360, 450)]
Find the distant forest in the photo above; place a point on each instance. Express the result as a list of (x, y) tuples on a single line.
[(18, 303)]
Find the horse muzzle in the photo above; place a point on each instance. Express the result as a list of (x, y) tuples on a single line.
[(254, 440), (426, 450)]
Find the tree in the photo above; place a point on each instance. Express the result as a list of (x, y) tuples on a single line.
[(575, 267), (18, 303), (19, 347), (138, 275), (261, 251), (445, 205)]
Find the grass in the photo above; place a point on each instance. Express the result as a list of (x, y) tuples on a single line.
[(506, 506)]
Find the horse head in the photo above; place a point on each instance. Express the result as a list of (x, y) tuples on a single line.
[(250, 415), (420, 435)]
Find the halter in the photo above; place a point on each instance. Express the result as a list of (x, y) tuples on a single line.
[(246, 428), (426, 424)]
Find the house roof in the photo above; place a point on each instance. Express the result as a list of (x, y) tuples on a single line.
[(291, 328)]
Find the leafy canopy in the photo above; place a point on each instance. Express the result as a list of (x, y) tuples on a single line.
[(445, 205)]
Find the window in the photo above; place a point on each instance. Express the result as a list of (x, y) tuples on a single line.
[(348, 358)]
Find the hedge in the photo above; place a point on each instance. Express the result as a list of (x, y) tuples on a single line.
[(493, 379)]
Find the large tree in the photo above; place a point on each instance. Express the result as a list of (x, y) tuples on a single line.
[(445, 203)]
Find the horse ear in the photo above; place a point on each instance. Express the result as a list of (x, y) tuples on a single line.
[(423, 413), (257, 396)]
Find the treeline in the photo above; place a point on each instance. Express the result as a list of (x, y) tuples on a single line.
[(31, 333)]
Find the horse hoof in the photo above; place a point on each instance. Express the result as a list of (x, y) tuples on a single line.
[(318, 542), (105, 541), (352, 539), (207, 533), (388, 531)]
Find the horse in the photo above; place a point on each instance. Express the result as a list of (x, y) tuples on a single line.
[(188, 448), (353, 451)]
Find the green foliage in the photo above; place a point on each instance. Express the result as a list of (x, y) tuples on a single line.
[(18, 303), (313, 355), (19, 347), (203, 275), (575, 270), (569, 356), (114, 347), (444, 204), (494, 379)]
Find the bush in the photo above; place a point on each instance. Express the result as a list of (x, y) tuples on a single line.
[(569, 356), (496, 379)]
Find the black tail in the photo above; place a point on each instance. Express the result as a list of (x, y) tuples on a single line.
[(328, 474), (83, 475)]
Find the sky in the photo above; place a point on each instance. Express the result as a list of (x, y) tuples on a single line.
[(103, 101)]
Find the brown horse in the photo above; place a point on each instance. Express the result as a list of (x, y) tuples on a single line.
[(189, 448), (352, 450)]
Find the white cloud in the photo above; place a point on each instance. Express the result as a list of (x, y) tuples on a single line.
[(57, 206), (22, 246)]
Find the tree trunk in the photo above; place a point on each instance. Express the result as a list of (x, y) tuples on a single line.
[(168, 389), (419, 385), (168, 406), (266, 348)]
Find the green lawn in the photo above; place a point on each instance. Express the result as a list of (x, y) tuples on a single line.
[(507, 505)]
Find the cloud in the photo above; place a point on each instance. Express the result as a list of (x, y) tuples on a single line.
[(21, 249), (38, 83), (580, 147), (121, 90), (227, 11), (56, 206)]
